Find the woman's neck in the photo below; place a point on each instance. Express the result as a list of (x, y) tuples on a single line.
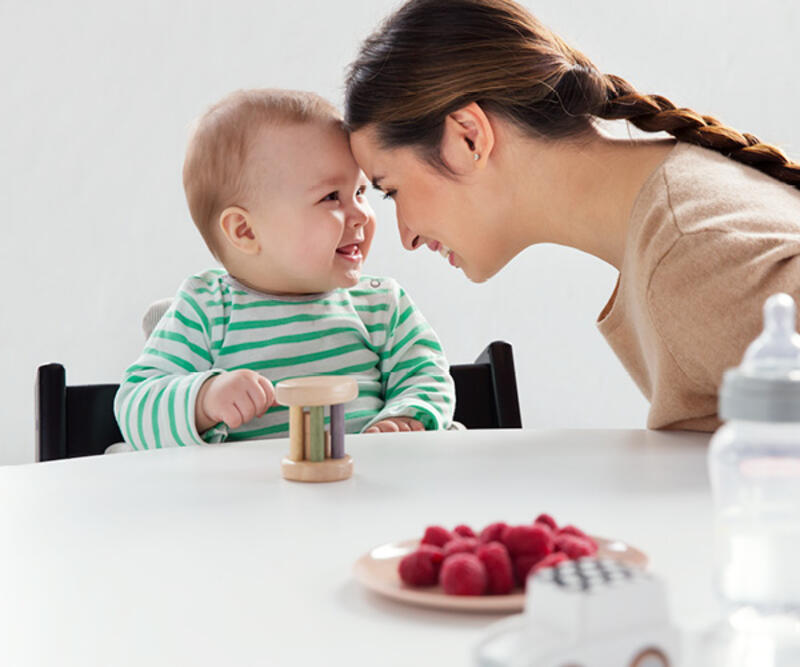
[(581, 193)]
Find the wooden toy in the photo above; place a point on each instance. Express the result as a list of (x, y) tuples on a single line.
[(316, 455), (588, 612)]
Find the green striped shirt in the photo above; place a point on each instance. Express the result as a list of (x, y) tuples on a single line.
[(372, 332)]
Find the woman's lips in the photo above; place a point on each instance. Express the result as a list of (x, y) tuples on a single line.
[(445, 252)]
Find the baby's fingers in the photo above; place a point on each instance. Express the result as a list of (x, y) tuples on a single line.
[(232, 416), (382, 427), (269, 391), (243, 401), (259, 398)]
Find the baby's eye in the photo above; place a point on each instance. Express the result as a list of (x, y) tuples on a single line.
[(361, 191), (333, 196), (389, 194)]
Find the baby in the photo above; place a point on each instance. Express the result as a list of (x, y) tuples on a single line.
[(280, 202)]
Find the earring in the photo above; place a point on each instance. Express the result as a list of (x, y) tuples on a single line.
[(476, 156)]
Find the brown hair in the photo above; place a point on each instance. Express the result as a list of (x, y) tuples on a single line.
[(432, 57), (215, 175)]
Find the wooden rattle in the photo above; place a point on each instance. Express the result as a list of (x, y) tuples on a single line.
[(316, 455)]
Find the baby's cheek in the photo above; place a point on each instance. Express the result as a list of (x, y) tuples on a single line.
[(369, 234)]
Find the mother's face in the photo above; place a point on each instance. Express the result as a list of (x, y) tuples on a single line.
[(433, 209)]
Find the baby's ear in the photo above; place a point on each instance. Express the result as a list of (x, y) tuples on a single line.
[(234, 222)]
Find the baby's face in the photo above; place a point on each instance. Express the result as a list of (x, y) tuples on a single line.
[(309, 211)]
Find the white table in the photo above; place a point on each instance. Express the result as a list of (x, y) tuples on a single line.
[(205, 556)]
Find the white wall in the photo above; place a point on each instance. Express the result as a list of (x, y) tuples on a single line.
[(96, 98)]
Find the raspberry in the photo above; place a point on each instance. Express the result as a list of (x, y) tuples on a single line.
[(528, 540), (437, 536), (499, 570), (464, 531), (547, 520), (493, 532), (574, 546), (463, 574), (421, 567), (436, 554), (549, 561), (460, 545), (572, 530)]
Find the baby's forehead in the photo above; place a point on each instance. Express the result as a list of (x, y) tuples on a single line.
[(301, 153)]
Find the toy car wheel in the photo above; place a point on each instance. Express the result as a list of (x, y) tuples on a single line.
[(650, 657)]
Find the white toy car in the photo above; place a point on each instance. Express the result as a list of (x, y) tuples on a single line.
[(586, 613)]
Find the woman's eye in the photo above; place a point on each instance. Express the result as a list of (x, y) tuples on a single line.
[(389, 194), (333, 196), (361, 191)]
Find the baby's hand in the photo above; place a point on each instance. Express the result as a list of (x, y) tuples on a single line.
[(394, 424), (233, 397)]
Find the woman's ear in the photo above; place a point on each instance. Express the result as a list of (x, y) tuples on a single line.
[(234, 222), (467, 140)]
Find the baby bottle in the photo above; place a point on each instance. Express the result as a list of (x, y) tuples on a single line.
[(754, 465)]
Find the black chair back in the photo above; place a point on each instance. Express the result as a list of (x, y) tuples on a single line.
[(72, 421), (486, 391)]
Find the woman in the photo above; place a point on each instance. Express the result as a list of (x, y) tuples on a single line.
[(479, 123)]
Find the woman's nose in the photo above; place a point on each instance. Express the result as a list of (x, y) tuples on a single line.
[(410, 240)]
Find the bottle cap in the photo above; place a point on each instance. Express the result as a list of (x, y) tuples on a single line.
[(766, 386)]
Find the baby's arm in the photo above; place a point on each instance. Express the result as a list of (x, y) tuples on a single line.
[(416, 376), (172, 394)]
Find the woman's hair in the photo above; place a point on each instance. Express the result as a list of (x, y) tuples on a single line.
[(432, 57)]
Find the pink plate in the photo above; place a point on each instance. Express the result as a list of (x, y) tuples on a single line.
[(377, 570)]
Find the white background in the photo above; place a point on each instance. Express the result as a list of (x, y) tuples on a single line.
[(95, 101)]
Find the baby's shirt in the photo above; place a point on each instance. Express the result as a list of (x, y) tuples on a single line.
[(372, 332)]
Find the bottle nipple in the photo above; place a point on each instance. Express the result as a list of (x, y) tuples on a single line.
[(777, 349)]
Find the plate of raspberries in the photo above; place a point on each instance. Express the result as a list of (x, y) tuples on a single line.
[(484, 571)]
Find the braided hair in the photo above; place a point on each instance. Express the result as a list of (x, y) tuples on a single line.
[(432, 57)]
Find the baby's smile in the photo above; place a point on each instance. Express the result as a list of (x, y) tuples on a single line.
[(351, 251)]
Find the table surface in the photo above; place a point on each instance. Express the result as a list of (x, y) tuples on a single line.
[(206, 556)]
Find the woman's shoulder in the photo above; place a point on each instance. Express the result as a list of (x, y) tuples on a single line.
[(704, 190), (736, 242), (700, 205), (709, 241)]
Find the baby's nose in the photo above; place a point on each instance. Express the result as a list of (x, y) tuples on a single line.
[(358, 217)]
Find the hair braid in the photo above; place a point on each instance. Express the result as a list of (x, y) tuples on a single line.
[(432, 57), (654, 113)]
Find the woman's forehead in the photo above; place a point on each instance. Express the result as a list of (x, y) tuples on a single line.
[(375, 160), (365, 147)]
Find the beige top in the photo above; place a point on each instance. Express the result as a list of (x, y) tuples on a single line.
[(709, 239)]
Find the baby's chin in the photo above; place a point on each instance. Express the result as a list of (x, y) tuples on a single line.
[(350, 279)]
